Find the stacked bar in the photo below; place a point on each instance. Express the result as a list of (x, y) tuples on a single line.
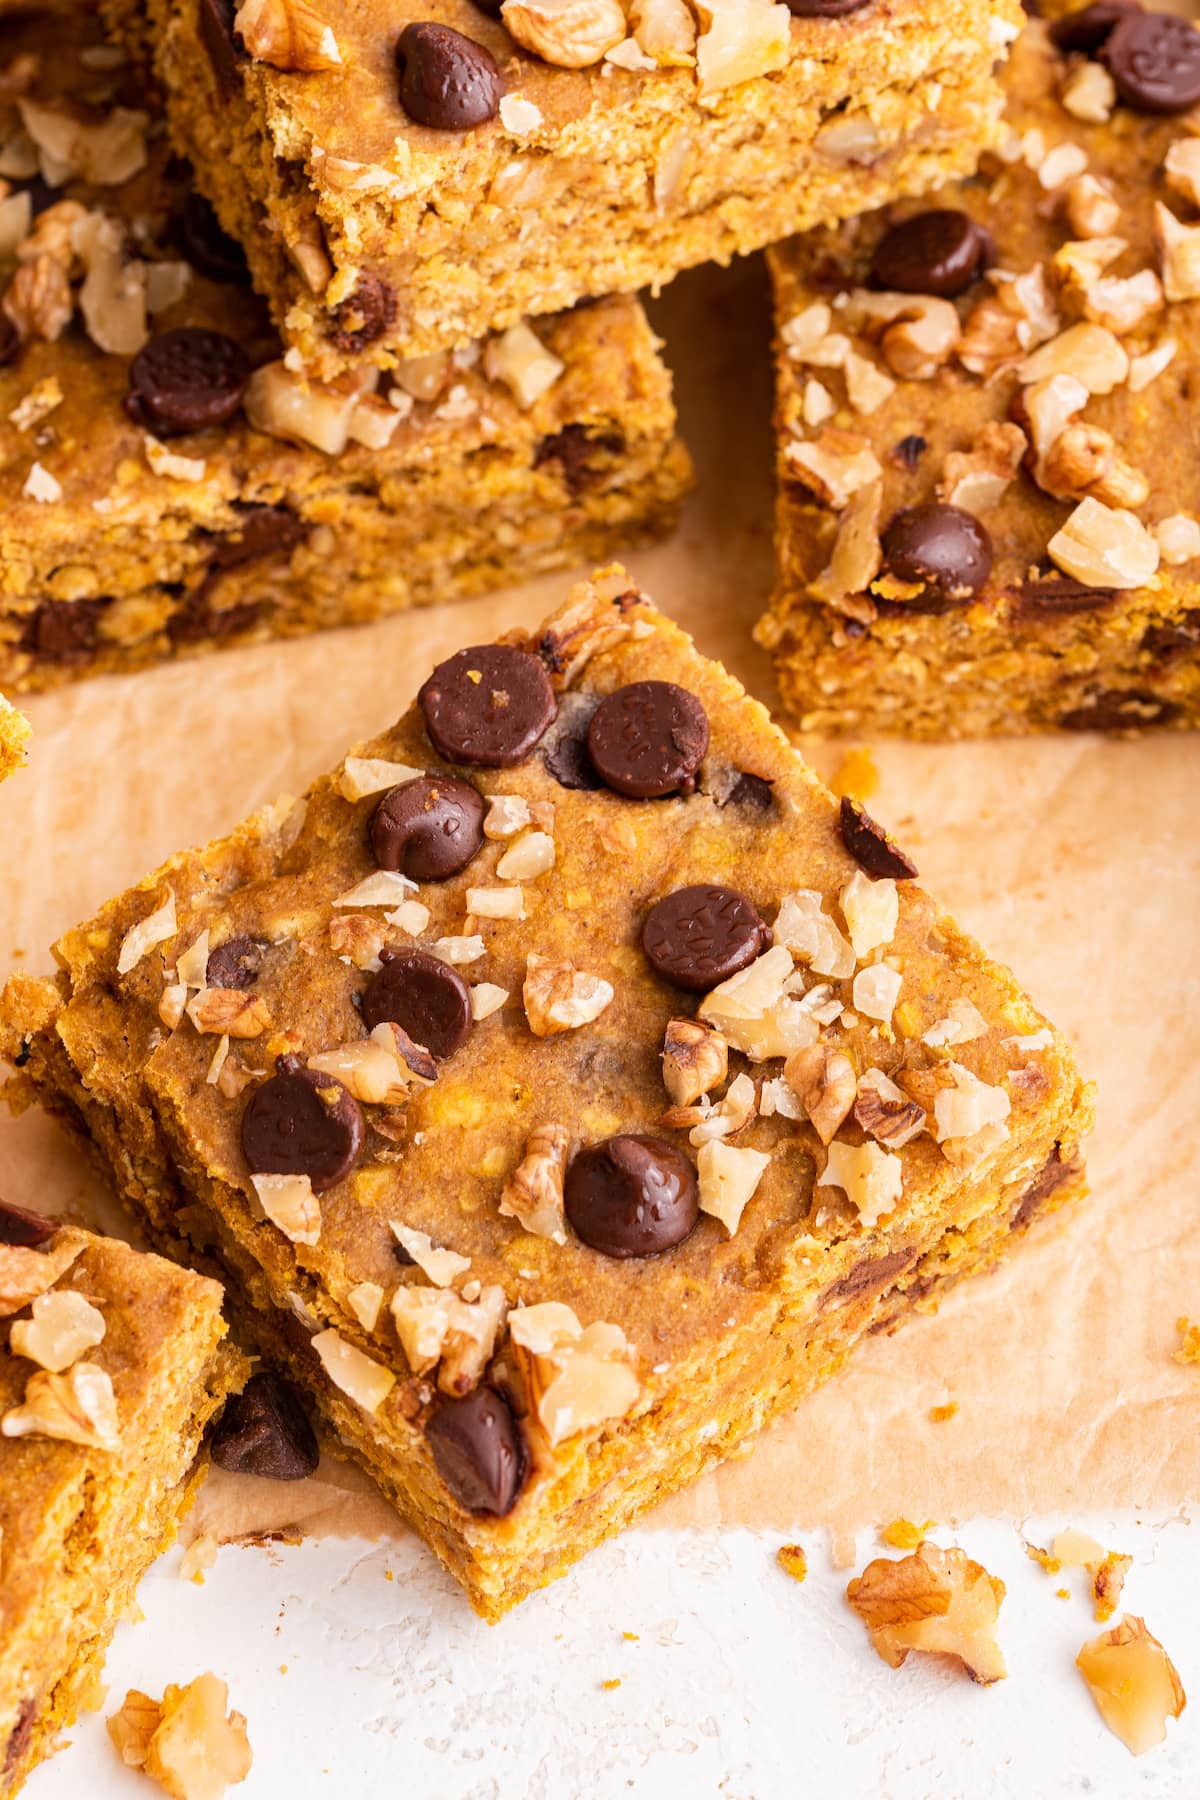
[(551, 1165), (989, 497)]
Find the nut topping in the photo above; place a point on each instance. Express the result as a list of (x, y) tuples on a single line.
[(288, 34), (824, 1080), (885, 1111), (729, 1177), (571, 34), (77, 1407), (188, 1743), (577, 1378), (438, 1327), (695, 1059), (533, 1193), (559, 997), (1105, 547), (63, 1326), (870, 1178), (934, 1600), (365, 1381)]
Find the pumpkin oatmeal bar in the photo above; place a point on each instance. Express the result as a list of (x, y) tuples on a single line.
[(168, 484), (408, 178), (988, 513), (551, 1165), (113, 1364)]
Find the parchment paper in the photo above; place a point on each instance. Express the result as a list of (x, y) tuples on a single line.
[(1075, 860)]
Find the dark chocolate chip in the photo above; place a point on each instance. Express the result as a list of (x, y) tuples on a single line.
[(870, 845), (631, 1196), (209, 248), (939, 547), (1052, 594), (752, 793), (64, 631), (428, 828), (1050, 1177), (404, 1257), (23, 1228), (365, 316), (568, 761), (186, 380), (301, 1122), (447, 81), (648, 739), (21, 1736), (236, 963), (487, 706), (1082, 33), (10, 341), (825, 9), (909, 451), (265, 1431), (572, 448), (1166, 641), (215, 18), (1120, 709), (701, 935), (490, 7), (936, 252), (196, 620), (1154, 60), (871, 1272), (261, 531), (428, 999), (479, 1451)]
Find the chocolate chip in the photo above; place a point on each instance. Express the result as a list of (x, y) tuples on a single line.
[(265, 1431), (871, 1272), (428, 828), (648, 739), (479, 1451), (302, 1123), (1053, 1173), (572, 448), (364, 317), (215, 18), (428, 999), (447, 81), (1053, 594), (936, 252), (64, 631), (10, 341), (1165, 642), (1082, 33), (1120, 709), (186, 380), (21, 1736), (909, 451), (870, 845), (196, 620), (209, 248), (22, 1228), (487, 706), (236, 963), (631, 1196), (701, 935), (1154, 60), (941, 548), (261, 531), (752, 793), (568, 761), (490, 7), (825, 9)]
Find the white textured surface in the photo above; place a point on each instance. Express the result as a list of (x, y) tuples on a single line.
[(738, 1681)]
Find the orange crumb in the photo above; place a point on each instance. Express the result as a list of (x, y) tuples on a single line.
[(792, 1561), (1189, 1341), (1050, 1563), (609, 1685), (1108, 1578), (939, 1414), (388, 1576), (857, 775), (283, 1668), (1062, 1593), (902, 1534), (631, 1637)]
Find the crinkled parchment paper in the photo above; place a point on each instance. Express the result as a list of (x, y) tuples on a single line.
[(1077, 861)]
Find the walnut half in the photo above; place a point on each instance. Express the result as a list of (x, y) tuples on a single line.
[(934, 1600)]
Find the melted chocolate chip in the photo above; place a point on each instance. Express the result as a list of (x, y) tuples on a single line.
[(479, 1451), (941, 548), (215, 20), (428, 999), (937, 252), (196, 620), (701, 935), (751, 793), (209, 248), (1167, 641), (365, 316), (1154, 60), (1082, 33), (631, 1196), (1047, 595), (64, 631), (21, 1735), (301, 1122), (909, 451), (1120, 709), (1050, 1177), (870, 845), (22, 1228), (447, 81), (236, 963), (871, 1272), (487, 706), (825, 9), (265, 1431), (571, 448), (261, 531), (648, 740), (428, 828), (568, 761), (186, 380)]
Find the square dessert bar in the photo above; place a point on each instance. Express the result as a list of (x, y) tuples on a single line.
[(169, 484), (549, 1163), (112, 1366), (988, 510), (406, 178)]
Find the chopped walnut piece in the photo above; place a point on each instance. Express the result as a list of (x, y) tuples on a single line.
[(559, 997), (962, 1024), (792, 1561), (105, 151), (533, 1193), (807, 931), (1049, 407), (381, 1069), (190, 1743), (171, 1003), (991, 339), (486, 999), (289, 1203), (857, 556), (437, 1326), (386, 887), (695, 1059), (77, 1407), (976, 479), (38, 299), (1178, 538), (570, 34), (739, 40), (364, 1300), (357, 938), (1179, 254), (1088, 352), (876, 990), (867, 387), (1108, 1579), (282, 403), (1182, 168), (442, 1266), (967, 1106), (24, 1274), (1091, 208), (63, 1326), (871, 909), (229, 1011), (936, 1601), (871, 1179), (1148, 367), (665, 30), (834, 465), (366, 1382), (886, 1112), (577, 1378), (753, 1011), (1134, 1683), (807, 337), (823, 1079), (1089, 93), (738, 1108), (1105, 547), (518, 356), (532, 855), (140, 939), (506, 815), (290, 35), (918, 333), (365, 775), (728, 1179), (1124, 304), (1081, 261), (1084, 460)]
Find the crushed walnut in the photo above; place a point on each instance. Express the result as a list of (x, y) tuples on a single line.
[(440, 1329), (936, 1601), (577, 1378), (1134, 1683), (77, 1407), (190, 1742), (559, 997), (63, 1326), (533, 1193)]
